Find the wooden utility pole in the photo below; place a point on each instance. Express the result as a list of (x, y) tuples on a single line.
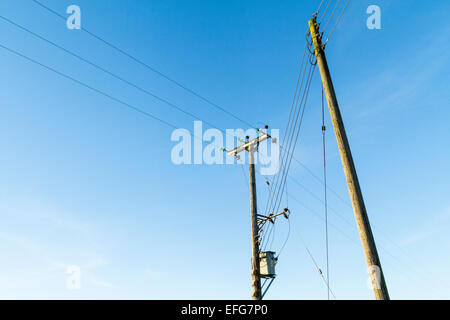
[(252, 147), (254, 225), (362, 220)]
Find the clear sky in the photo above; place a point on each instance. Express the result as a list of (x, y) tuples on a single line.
[(85, 181)]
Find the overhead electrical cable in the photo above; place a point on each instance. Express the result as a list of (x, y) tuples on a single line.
[(326, 9), (331, 16), (325, 194), (277, 203), (292, 112), (83, 84), (291, 129), (145, 91), (337, 22), (132, 57), (98, 67), (147, 66), (281, 186)]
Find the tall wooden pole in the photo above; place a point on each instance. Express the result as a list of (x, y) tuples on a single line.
[(256, 282), (362, 220), (251, 147)]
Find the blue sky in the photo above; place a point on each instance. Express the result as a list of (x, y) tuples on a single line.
[(87, 182)]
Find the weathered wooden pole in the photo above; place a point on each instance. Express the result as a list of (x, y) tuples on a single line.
[(251, 147), (256, 281), (362, 220)]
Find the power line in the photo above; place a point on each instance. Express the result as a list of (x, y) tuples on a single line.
[(81, 83), (276, 178), (90, 87), (287, 156), (306, 93), (331, 16), (357, 243), (287, 152), (321, 181), (291, 127), (342, 217), (113, 98), (245, 177), (320, 5), (327, 284), (281, 186), (286, 240), (346, 202), (138, 61), (383, 248), (133, 58), (145, 91), (147, 66), (264, 236), (325, 193), (326, 9), (289, 225), (292, 112), (328, 38), (103, 69), (268, 234)]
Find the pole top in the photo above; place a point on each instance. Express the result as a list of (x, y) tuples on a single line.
[(249, 144)]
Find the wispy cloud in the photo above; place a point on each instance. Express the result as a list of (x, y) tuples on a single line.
[(153, 274), (36, 262), (39, 213), (404, 77), (438, 224)]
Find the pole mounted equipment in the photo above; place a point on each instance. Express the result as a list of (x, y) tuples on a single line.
[(266, 260), (252, 146)]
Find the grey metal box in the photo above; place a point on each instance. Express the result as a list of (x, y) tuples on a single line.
[(267, 263)]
